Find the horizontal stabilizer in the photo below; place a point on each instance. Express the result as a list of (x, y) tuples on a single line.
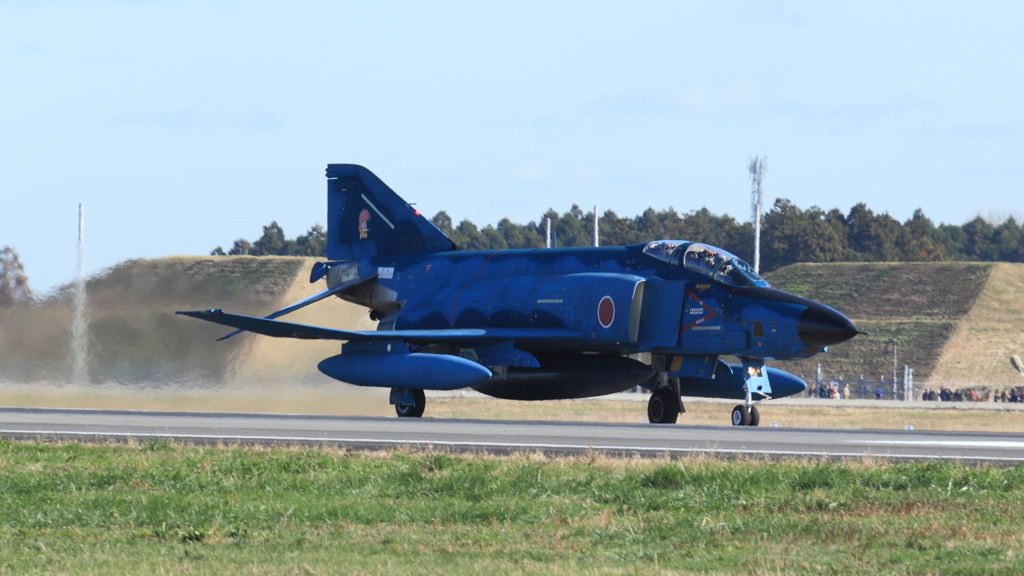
[(279, 329), (306, 302)]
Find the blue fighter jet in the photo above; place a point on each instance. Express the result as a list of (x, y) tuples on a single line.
[(543, 324)]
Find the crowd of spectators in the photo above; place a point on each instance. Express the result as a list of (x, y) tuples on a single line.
[(827, 390), (841, 390), (971, 395)]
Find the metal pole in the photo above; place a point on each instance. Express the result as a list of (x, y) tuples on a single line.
[(597, 240), (756, 166), (757, 239), (895, 342), (547, 236), (906, 383)]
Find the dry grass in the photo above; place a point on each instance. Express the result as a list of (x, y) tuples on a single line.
[(715, 414), (345, 400), (981, 347), (337, 399)]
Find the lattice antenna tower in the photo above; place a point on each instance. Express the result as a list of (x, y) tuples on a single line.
[(757, 167)]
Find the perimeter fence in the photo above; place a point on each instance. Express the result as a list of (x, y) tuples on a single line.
[(906, 389)]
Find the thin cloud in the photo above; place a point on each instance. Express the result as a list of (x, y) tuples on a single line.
[(972, 132), (536, 174), (768, 12), (237, 114), (736, 96)]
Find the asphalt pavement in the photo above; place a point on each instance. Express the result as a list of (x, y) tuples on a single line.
[(503, 436)]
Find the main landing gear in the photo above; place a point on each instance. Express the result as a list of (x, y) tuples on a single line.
[(664, 406), (408, 403)]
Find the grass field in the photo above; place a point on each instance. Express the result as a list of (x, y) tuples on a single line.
[(708, 414), (163, 509)]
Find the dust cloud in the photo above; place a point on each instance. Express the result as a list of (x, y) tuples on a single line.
[(144, 357)]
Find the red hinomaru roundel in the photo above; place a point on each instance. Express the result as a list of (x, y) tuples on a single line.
[(606, 311)]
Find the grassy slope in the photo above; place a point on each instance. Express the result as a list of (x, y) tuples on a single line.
[(922, 304), (77, 509), (135, 335), (980, 349)]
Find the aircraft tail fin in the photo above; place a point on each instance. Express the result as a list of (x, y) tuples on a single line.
[(366, 218)]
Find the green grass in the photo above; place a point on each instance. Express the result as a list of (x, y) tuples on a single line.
[(157, 508)]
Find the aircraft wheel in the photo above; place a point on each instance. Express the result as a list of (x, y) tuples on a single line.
[(740, 417), (755, 416), (412, 410), (663, 407)]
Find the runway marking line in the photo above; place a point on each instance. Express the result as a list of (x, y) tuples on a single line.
[(497, 445), (951, 443)]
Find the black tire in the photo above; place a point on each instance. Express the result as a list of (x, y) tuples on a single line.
[(412, 410), (740, 417), (755, 416), (663, 407)]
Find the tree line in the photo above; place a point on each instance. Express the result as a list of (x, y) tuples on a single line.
[(274, 243), (789, 235)]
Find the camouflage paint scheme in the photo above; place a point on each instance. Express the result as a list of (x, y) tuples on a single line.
[(545, 323)]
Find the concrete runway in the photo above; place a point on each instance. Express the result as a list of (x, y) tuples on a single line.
[(503, 436)]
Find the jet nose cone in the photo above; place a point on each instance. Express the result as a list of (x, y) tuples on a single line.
[(821, 326)]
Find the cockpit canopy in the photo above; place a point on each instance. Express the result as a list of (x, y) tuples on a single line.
[(707, 260)]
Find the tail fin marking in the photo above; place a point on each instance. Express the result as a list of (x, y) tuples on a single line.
[(366, 218)]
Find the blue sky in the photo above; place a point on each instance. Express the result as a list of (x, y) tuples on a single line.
[(185, 125)]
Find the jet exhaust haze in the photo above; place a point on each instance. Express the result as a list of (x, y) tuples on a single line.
[(79, 335)]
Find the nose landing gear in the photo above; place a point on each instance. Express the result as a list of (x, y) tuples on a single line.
[(741, 416), (755, 380)]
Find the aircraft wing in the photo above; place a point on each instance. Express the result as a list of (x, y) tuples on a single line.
[(306, 302), (279, 329)]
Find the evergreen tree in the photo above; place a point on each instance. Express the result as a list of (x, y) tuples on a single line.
[(312, 243), (872, 237), (977, 245), (14, 288), (241, 247), (443, 222), (1008, 241), (919, 240), (790, 235), (272, 243)]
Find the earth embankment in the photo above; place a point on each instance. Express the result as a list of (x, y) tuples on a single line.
[(135, 337), (956, 322)]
